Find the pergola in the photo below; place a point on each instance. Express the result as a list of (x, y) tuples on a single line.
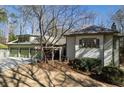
[(53, 50), (37, 48)]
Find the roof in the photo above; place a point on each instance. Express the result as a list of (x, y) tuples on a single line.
[(51, 40), (93, 29), (28, 35)]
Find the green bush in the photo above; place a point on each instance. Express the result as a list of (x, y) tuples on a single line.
[(92, 63), (86, 64), (79, 64), (113, 75)]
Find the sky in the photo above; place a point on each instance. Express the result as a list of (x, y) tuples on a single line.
[(103, 12)]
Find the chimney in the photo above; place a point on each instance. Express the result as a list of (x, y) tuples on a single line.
[(113, 27)]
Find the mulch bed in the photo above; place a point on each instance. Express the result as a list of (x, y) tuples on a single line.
[(54, 65)]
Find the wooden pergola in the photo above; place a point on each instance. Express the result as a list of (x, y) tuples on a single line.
[(53, 51)]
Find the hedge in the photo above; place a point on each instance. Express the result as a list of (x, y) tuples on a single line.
[(113, 75), (86, 64)]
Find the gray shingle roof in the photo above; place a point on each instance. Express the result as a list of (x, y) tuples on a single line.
[(51, 40), (93, 29)]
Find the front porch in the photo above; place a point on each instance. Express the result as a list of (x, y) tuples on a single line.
[(51, 53)]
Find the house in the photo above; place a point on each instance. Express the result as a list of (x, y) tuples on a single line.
[(28, 45), (93, 42), (23, 46)]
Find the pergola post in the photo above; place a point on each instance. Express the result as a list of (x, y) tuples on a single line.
[(29, 53), (60, 54), (52, 54), (9, 52), (18, 54)]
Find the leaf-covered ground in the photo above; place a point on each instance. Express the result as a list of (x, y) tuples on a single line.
[(47, 75)]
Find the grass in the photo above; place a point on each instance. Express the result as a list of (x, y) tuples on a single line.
[(3, 46)]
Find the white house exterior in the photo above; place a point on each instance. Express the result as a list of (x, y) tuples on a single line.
[(29, 45), (100, 44)]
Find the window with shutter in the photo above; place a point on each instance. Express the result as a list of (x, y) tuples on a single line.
[(89, 43)]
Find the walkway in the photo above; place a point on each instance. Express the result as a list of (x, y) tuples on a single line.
[(11, 62)]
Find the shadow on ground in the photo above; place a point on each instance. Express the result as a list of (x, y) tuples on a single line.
[(45, 75)]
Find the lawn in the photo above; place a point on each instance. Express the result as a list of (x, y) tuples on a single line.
[(3, 46)]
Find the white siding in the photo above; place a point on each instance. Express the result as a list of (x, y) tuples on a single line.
[(70, 41), (73, 50), (108, 49), (116, 54), (31, 38), (88, 52)]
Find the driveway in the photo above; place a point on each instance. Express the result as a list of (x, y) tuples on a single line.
[(11, 62)]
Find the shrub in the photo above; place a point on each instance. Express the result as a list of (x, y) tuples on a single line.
[(113, 75), (78, 64), (86, 64), (93, 63)]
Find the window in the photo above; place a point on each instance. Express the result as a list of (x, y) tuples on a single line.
[(23, 38), (89, 43)]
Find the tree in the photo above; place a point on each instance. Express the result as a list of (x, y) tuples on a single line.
[(118, 19), (55, 21), (3, 15), (12, 37), (12, 23), (3, 21)]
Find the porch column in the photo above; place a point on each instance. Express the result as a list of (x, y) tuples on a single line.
[(18, 54), (29, 53), (9, 52), (102, 50), (60, 54), (52, 54)]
